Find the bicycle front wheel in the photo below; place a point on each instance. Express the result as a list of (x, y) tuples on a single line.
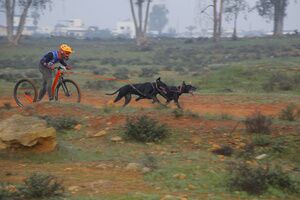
[(68, 91), (25, 92)]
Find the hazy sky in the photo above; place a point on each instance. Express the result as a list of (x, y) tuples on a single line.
[(182, 13)]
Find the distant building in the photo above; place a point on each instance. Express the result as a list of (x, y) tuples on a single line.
[(2, 30), (70, 28), (125, 29), (29, 26), (44, 30)]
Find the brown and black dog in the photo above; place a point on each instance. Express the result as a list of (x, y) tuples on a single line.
[(173, 93), (146, 90)]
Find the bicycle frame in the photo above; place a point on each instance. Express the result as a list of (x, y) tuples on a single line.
[(54, 84), (59, 79)]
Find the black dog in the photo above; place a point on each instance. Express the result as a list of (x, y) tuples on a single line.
[(173, 93), (144, 90)]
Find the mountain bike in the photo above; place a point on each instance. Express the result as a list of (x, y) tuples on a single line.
[(64, 90)]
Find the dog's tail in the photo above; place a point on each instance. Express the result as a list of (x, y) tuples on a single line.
[(112, 93)]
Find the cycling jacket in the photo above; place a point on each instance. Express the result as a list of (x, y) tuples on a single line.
[(51, 58)]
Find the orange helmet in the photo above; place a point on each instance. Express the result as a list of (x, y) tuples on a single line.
[(65, 49)]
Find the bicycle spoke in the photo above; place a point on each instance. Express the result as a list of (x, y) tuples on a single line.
[(25, 93), (68, 92)]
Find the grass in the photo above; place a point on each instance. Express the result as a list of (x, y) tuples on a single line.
[(213, 69), (240, 75), (137, 196)]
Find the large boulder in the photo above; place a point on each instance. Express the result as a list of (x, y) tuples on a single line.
[(27, 132)]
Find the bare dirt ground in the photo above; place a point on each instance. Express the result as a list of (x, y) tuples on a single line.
[(234, 105), (104, 178)]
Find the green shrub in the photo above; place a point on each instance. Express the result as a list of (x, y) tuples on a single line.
[(100, 71), (6, 106), (99, 84), (224, 150), (261, 140), (191, 114), (110, 60), (289, 113), (178, 112), (149, 72), (255, 179), (149, 161), (247, 152), (6, 193), (61, 123), (247, 178), (225, 116), (279, 145), (145, 129), (280, 81), (283, 181), (38, 186), (121, 73), (258, 123)]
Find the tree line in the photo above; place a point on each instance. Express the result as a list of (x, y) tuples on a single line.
[(140, 11)]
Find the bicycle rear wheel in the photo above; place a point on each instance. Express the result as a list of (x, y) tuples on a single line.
[(68, 91), (25, 92)]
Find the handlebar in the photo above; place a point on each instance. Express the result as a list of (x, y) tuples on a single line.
[(61, 68)]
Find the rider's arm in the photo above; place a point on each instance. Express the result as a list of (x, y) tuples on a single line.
[(68, 67), (46, 59), (63, 62)]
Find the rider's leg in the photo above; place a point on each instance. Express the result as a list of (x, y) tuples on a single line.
[(47, 82)]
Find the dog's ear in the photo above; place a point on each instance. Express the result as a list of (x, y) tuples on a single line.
[(158, 79)]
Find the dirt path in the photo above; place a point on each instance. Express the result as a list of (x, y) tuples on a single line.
[(234, 105), (203, 104)]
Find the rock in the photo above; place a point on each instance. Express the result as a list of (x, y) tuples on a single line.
[(191, 187), (11, 188), (262, 156), (180, 176), (100, 133), (78, 127), (73, 189), (168, 197), (2, 145), (20, 131), (146, 170), (116, 139), (133, 166), (104, 166)]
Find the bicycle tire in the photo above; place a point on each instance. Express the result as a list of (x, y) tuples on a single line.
[(33, 98), (67, 82)]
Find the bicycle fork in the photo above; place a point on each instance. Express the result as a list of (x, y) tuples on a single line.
[(64, 87)]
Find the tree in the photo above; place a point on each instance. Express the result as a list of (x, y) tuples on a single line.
[(232, 9), (275, 9), (218, 9), (191, 30), (36, 16), (11, 6), (158, 18), (140, 23)]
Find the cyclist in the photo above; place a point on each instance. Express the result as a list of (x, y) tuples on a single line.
[(46, 67)]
